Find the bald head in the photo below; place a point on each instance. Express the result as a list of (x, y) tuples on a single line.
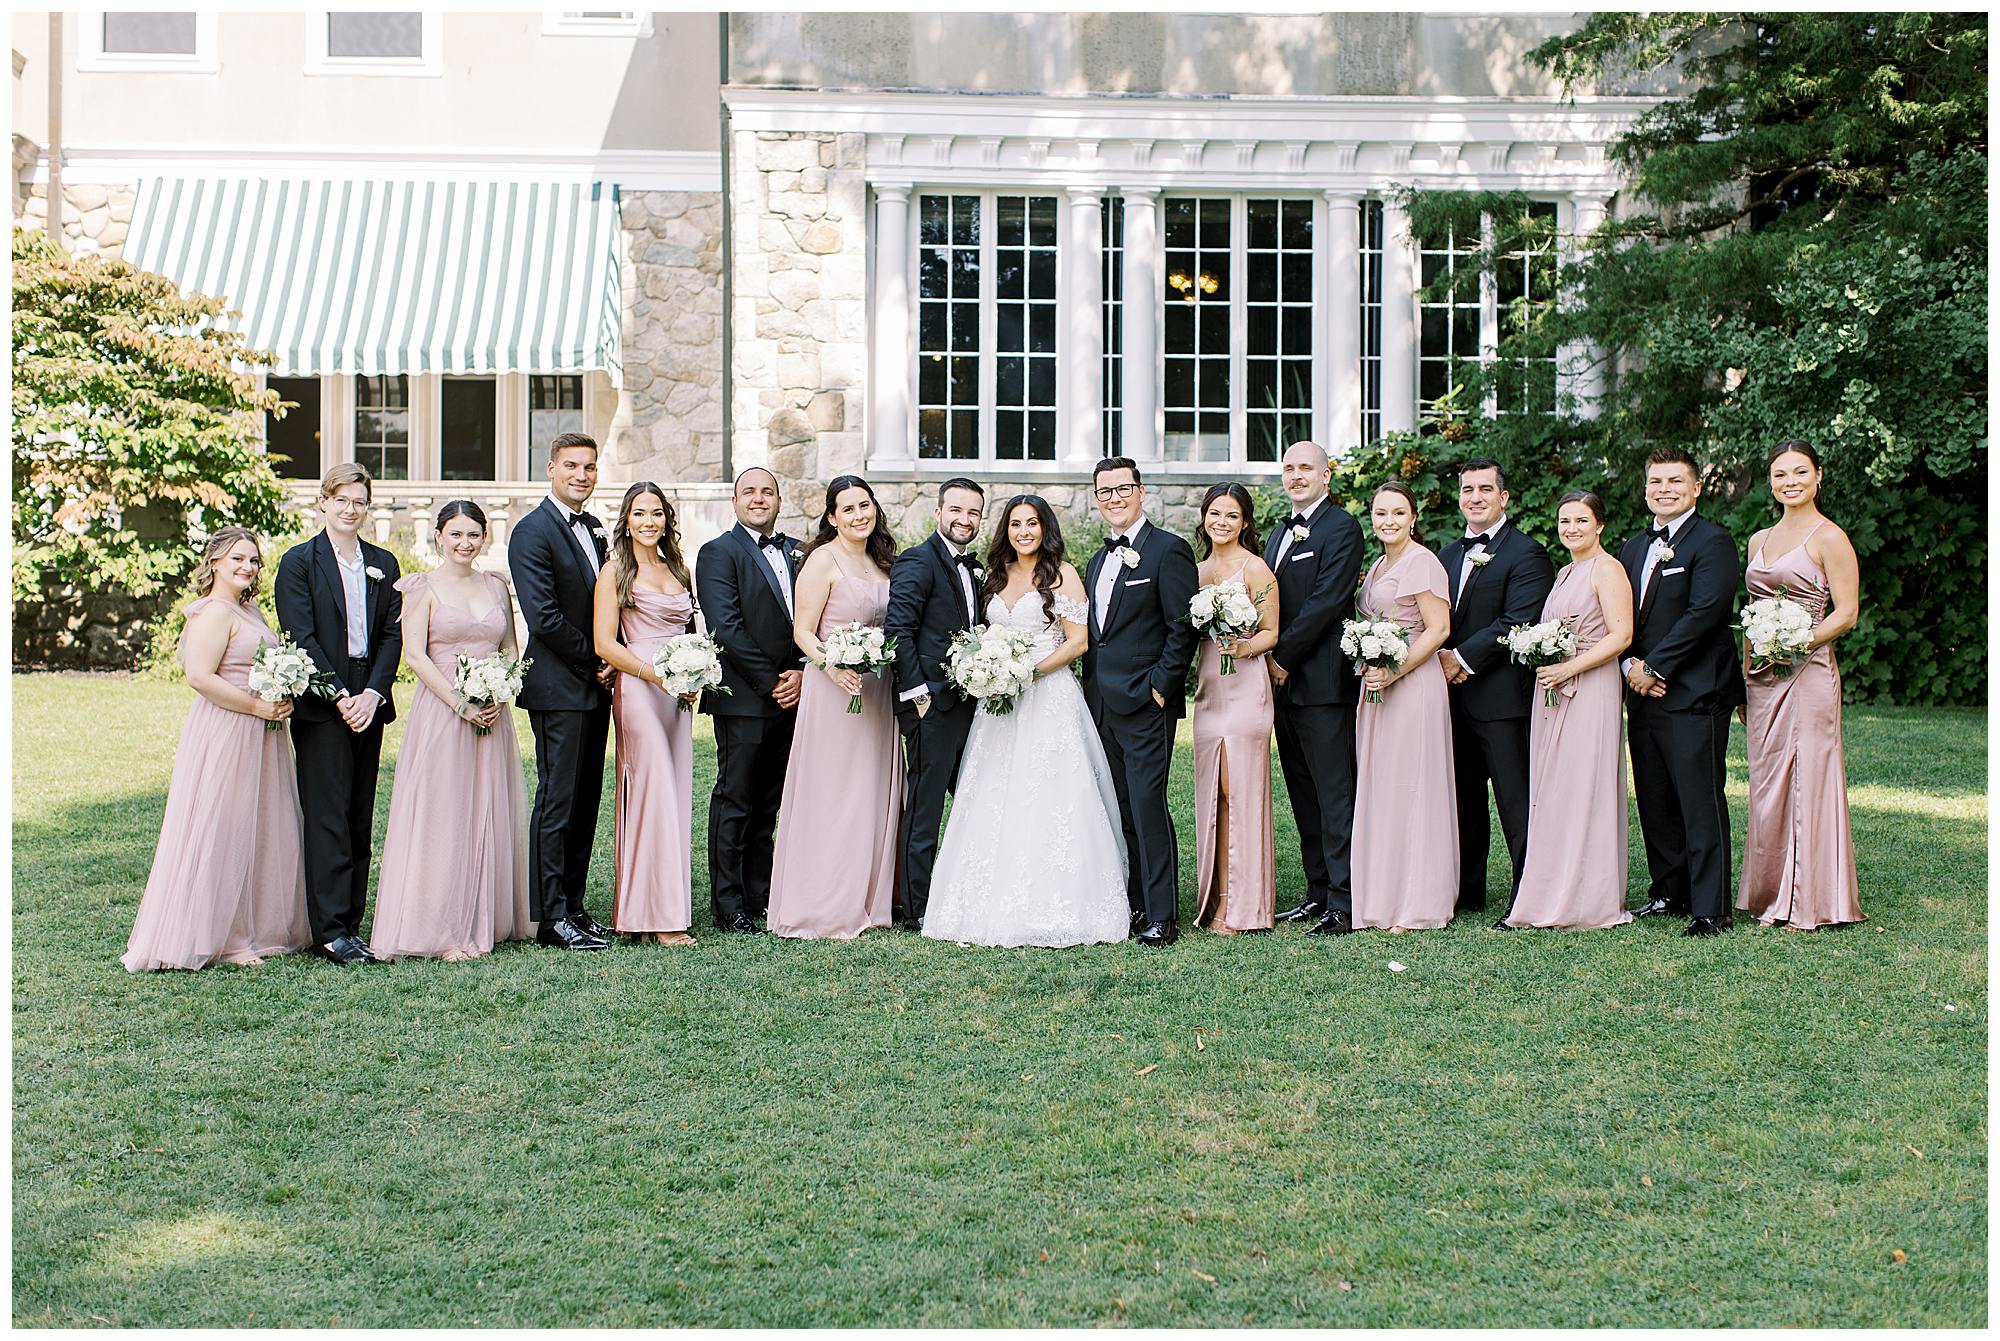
[(1304, 474)]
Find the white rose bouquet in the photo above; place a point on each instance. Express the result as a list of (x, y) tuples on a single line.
[(1778, 632), (992, 664), (281, 671), (687, 665), (1377, 644), (858, 647), (1544, 644), (1225, 612), (483, 681)]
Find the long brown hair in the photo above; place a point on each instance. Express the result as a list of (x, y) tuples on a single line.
[(1048, 559), (669, 548), (1247, 537), (220, 543), (881, 545)]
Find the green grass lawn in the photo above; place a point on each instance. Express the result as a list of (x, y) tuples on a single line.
[(1622, 1127)]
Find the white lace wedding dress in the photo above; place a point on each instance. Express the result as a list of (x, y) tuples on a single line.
[(1033, 853)]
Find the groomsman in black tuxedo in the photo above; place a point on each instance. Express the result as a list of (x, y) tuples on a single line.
[(1683, 679), (554, 554), (1316, 554), (336, 598), (933, 596), (1135, 678), (1499, 578), (743, 581)]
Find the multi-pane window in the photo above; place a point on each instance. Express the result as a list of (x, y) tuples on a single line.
[(948, 270), (1278, 302), (293, 441), (375, 35), (149, 33), (1024, 388), (1448, 306), (382, 425), (1114, 324), (1526, 290), (1198, 295), (1371, 320), (555, 406)]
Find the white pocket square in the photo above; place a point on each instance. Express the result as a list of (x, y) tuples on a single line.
[(1307, 555), (1669, 572), (1137, 581)]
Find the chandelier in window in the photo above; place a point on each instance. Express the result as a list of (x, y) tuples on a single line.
[(1191, 289)]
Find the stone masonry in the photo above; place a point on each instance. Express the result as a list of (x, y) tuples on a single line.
[(94, 217), (669, 422)]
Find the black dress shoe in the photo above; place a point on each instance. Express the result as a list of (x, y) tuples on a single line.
[(585, 922), (741, 923), (1504, 925), (1306, 910), (1137, 923), (1658, 906), (1707, 926), (567, 935), (1159, 933), (368, 955), (342, 950), (1333, 924)]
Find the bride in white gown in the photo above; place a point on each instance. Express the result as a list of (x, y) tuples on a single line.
[(1033, 854)]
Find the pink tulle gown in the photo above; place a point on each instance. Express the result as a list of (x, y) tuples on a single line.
[(1405, 815), (1232, 740), (455, 862), (228, 882), (652, 880), (1798, 856), (834, 871), (1574, 875)]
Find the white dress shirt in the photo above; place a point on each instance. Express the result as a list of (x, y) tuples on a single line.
[(579, 529), (354, 592), (774, 557), (1108, 571), (971, 607), (1646, 572), (1465, 560), (1285, 546)]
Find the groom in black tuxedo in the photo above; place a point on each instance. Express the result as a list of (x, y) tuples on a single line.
[(1683, 680), (1135, 678), (554, 555), (933, 596), (1499, 578), (743, 582)]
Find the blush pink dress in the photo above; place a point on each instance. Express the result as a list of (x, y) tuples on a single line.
[(455, 876), (1798, 856), (1578, 834), (1405, 816), (833, 873), (1232, 739), (228, 881), (652, 878)]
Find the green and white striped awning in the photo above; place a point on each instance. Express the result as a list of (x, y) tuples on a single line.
[(397, 277)]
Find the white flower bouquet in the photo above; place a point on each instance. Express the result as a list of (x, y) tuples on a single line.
[(1225, 612), (992, 664), (1374, 643), (1543, 644), (687, 665), (487, 680), (281, 671), (858, 647), (1778, 631)]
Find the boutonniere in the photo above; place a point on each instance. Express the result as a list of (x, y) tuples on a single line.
[(373, 572), (1300, 535), (1128, 556), (1482, 558), (1666, 554)]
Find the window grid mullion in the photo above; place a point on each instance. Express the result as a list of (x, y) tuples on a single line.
[(989, 324), (1239, 328)]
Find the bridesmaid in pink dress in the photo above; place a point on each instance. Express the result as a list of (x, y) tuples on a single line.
[(642, 600), (455, 878), (834, 871), (228, 882), (1405, 820), (1798, 857), (1236, 880), (1574, 874)]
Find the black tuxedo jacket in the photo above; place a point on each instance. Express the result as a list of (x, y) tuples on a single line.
[(744, 610), (927, 609), (1142, 641), (312, 610), (1509, 589), (1681, 628), (554, 583), (1316, 586)]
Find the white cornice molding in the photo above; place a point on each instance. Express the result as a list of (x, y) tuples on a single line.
[(631, 169)]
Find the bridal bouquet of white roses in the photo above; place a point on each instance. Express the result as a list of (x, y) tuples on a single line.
[(1374, 643), (992, 664), (486, 680), (1778, 631), (282, 670), (1543, 644), (1225, 612), (860, 648), (688, 664)]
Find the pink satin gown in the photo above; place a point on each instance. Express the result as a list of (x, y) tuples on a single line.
[(1798, 856), (228, 881), (455, 877), (1232, 740), (1405, 816), (652, 879), (1578, 834), (833, 873)]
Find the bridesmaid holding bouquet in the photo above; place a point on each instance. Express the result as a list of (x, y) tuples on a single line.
[(228, 883), (643, 598)]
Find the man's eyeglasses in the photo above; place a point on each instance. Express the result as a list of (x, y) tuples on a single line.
[(1111, 491), (348, 505)]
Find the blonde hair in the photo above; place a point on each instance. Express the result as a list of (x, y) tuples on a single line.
[(344, 474), (220, 543)]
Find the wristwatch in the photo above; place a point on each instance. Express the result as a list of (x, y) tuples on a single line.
[(921, 700)]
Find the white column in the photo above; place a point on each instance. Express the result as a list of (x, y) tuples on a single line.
[(1580, 373), (1341, 321), (1081, 340), (1141, 348), (889, 415), (1399, 320)]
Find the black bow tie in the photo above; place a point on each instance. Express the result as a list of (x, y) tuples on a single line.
[(1478, 541), (1656, 533), (1296, 520), (776, 540), (965, 560), (1118, 542)]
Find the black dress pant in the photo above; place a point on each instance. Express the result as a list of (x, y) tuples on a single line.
[(1139, 746), (750, 758), (932, 747), (1483, 752), (1316, 752), (569, 780), (1677, 776), (337, 769)]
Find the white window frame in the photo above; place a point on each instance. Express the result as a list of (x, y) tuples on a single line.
[(428, 65), (559, 23), (92, 58)]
